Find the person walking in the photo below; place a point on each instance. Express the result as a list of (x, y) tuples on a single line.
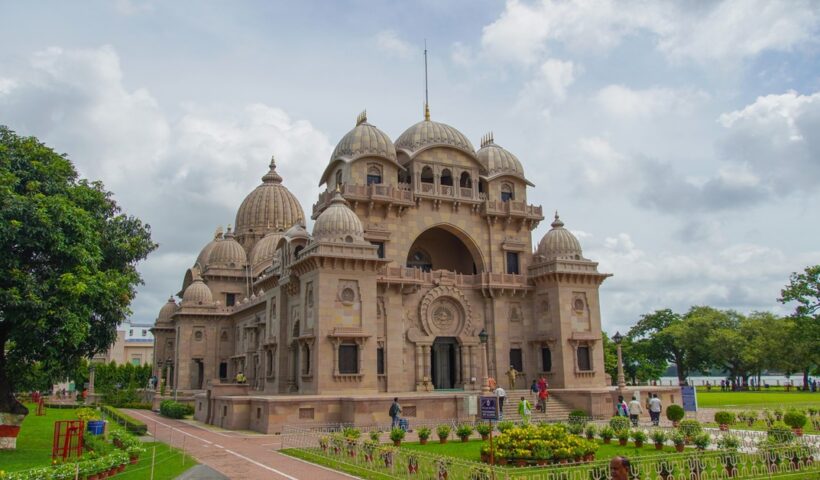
[(621, 409), (534, 389), (511, 374), (655, 409), (543, 396), (501, 395), (524, 410), (395, 413), (635, 409)]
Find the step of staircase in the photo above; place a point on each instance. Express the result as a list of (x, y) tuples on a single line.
[(556, 409)]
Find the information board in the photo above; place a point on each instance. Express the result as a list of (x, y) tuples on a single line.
[(489, 408), (689, 399)]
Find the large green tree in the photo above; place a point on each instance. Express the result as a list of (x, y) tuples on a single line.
[(659, 335), (804, 291), (68, 269)]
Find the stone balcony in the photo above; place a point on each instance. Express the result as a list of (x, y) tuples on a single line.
[(404, 276), (391, 195)]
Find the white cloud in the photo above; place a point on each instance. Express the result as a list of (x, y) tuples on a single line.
[(133, 7), (461, 54), (549, 85), (388, 41), (622, 101), (6, 85), (601, 164)]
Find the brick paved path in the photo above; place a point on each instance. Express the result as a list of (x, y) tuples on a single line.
[(239, 455)]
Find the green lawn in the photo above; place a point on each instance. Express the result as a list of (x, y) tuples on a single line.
[(34, 449), (761, 399)]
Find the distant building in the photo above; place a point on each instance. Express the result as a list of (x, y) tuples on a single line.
[(134, 345)]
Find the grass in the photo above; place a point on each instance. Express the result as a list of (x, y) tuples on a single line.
[(34, 449), (760, 399)]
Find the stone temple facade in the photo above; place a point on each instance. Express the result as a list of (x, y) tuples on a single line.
[(417, 245)]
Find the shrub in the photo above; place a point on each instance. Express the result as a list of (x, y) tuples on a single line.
[(351, 433), (778, 414), (658, 437), (86, 414), (484, 428), (591, 430), (130, 423), (622, 434), (813, 411), (606, 432), (443, 431), (575, 428), (638, 435), (675, 413), (690, 427), (728, 442), (702, 441), (780, 433), (795, 419), (424, 433), (724, 418), (504, 426), (172, 409), (375, 435), (678, 438), (619, 423), (551, 442), (464, 430), (397, 434), (578, 416)]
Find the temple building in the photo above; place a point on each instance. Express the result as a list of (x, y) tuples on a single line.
[(417, 245)]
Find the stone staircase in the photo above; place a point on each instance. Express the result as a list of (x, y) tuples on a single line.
[(556, 409)]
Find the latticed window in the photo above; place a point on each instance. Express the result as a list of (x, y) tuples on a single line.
[(512, 263), (348, 358), (507, 192), (380, 361), (374, 175), (584, 362)]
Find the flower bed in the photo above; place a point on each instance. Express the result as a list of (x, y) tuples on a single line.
[(541, 445)]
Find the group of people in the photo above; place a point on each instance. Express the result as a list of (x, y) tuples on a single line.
[(633, 410)]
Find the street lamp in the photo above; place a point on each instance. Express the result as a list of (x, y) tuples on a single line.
[(482, 337), (618, 338)]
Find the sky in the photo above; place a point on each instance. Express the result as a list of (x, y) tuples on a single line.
[(680, 141)]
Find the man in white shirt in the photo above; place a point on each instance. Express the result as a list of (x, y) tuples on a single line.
[(655, 408), (501, 394), (635, 409)]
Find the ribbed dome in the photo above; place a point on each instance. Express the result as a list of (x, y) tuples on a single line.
[(167, 310), (559, 243), (365, 140), (497, 160), (269, 206), (264, 249), (227, 253), (338, 223), (428, 133), (197, 293), (202, 258)]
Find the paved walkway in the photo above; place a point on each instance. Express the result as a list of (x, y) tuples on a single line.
[(239, 455)]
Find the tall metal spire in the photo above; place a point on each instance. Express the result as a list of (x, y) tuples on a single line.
[(426, 97)]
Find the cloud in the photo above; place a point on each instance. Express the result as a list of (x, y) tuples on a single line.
[(725, 31), (133, 7), (461, 54), (388, 41), (549, 85), (601, 164), (184, 176), (622, 101)]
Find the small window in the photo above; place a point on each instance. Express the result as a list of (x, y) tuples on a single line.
[(446, 177), (338, 177), (507, 192), (230, 299), (516, 359), (380, 361), (297, 250), (258, 413), (131, 332), (306, 364), (465, 181), (348, 358), (584, 363), (374, 175), (512, 263), (546, 359), (380, 246), (223, 370), (426, 175), (144, 332)]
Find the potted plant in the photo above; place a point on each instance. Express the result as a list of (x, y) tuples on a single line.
[(730, 443), (679, 440), (397, 435), (675, 414), (324, 442), (541, 453), (638, 436), (658, 438), (780, 434), (91, 417), (375, 435), (797, 420), (369, 448), (504, 426), (575, 428), (606, 434), (591, 430), (690, 428), (412, 463), (464, 431), (338, 442), (485, 453), (778, 414), (134, 452), (480, 473), (484, 430), (724, 418), (443, 431), (751, 417), (702, 441), (387, 453), (623, 437), (442, 465), (424, 435), (619, 423)]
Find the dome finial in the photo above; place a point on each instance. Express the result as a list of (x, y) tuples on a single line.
[(272, 176), (487, 139), (218, 233), (426, 112), (362, 118), (557, 223)]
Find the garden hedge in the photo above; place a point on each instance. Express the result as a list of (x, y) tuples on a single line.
[(130, 423), (172, 409)]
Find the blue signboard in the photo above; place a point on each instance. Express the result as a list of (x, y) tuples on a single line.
[(489, 408), (689, 399)]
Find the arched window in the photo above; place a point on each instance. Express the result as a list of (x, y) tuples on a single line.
[(420, 259), (447, 177), (297, 250), (426, 175), (338, 177), (507, 192), (374, 175), (466, 181), (482, 186), (403, 177)]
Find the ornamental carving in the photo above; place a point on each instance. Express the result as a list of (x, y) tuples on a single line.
[(445, 312)]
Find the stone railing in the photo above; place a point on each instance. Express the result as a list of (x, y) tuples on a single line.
[(405, 275), (495, 207), (400, 194)]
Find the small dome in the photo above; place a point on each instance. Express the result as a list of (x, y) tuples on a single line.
[(269, 206), (428, 133), (297, 231), (498, 161), (227, 253), (197, 293), (365, 140), (559, 243), (264, 249), (202, 258), (338, 223), (167, 310)]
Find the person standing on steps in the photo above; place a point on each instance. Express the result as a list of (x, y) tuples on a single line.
[(395, 413), (524, 410), (511, 374), (501, 395)]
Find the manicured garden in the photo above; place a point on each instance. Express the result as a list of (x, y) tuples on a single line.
[(120, 453), (773, 399)]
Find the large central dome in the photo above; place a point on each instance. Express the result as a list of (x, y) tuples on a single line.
[(269, 207), (428, 133)]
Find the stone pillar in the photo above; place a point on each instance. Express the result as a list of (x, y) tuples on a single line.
[(419, 367), (91, 373), (428, 372), (473, 373)]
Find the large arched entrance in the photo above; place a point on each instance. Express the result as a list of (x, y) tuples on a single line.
[(443, 362), (445, 247)]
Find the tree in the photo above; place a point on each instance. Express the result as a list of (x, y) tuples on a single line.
[(68, 269), (659, 334), (804, 290)]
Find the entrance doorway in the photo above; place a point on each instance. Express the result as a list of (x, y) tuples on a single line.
[(443, 362)]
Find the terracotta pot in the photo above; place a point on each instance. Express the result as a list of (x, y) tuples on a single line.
[(731, 471), (521, 462), (658, 446), (485, 436), (465, 439), (622, 442), (501, 461), (93, 477), (485, 457), (638, 444), (541, 462), (422, 441), (798, 431), (112, 471), (679, 448), (590, 437), (607, 441), (676, 424), (102, 475), (442, 440), (724, 427), (121, 468), (118, 443), (397, 443), (133, 460)]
